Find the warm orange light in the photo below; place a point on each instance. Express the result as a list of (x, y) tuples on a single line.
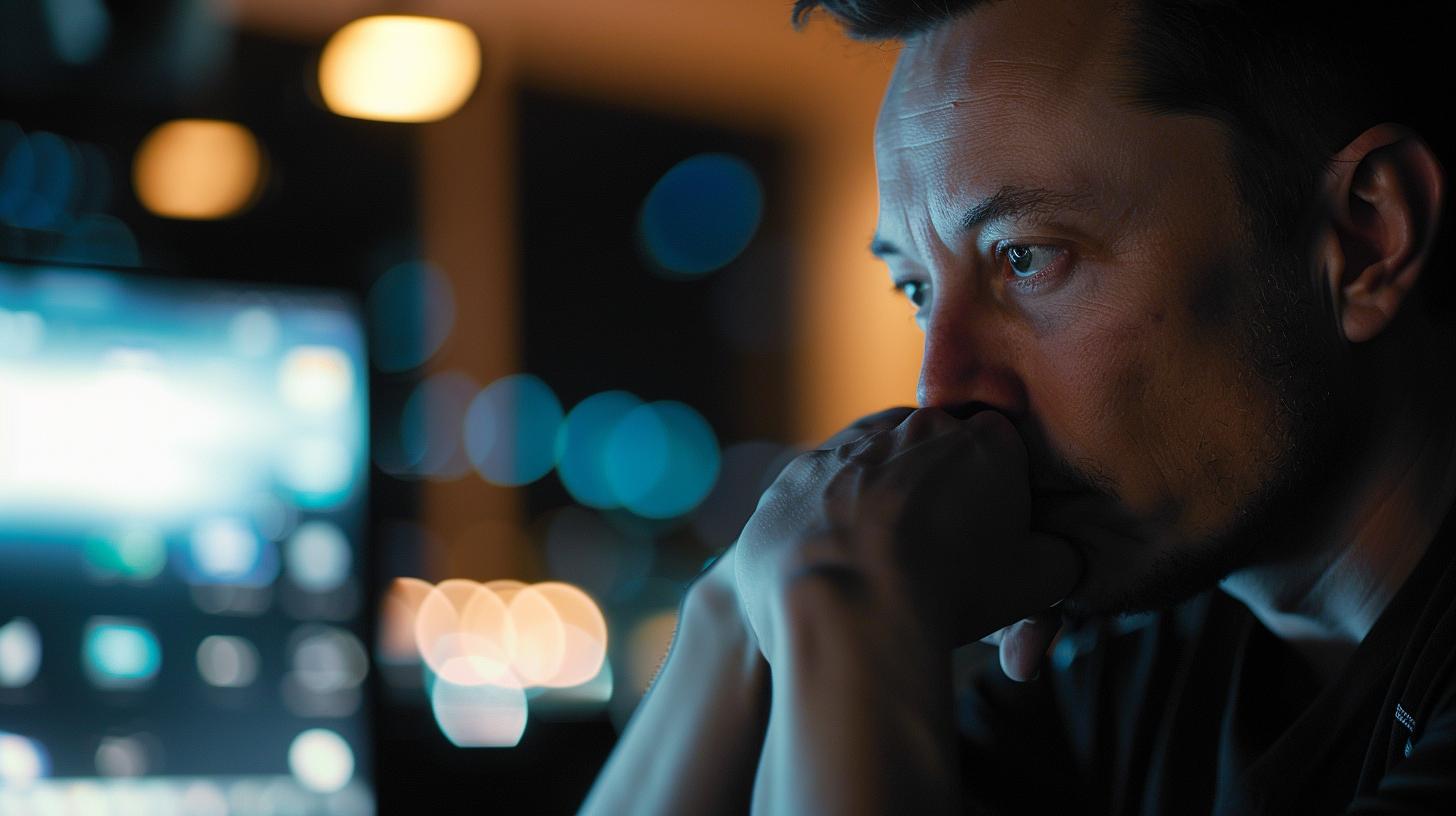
[(549, 635), (197, 169), (399, 68), (540, 639), (585, 630), (459, 654), (397, 614)]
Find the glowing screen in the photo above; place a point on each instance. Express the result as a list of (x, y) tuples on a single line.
[(182, 478)]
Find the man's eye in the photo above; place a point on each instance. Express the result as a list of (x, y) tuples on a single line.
[(1026, 260), (916, 291)]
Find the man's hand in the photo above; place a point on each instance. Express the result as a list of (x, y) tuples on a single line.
[(919, 511)]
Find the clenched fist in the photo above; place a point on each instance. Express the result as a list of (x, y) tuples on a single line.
[(913, 512)]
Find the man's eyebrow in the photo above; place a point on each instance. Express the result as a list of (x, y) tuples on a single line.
[(1014, 203), (1008, 203)]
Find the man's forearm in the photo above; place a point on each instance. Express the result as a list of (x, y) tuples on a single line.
[(861, 719), (695, 739)]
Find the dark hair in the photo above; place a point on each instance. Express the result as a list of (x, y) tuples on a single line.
[(1292, 80)]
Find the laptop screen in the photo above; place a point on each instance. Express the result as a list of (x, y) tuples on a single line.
[(182, 503)]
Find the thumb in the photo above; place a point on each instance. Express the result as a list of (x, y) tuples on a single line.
[(1024, 644)]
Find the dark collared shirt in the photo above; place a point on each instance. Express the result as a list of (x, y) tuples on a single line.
[(1201, 709)]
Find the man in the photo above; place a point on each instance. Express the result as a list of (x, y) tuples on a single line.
[(1176, 265)]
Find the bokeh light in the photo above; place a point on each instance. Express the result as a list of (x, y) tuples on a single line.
[(22, 759), (316, 380), (537, 642), (460, 630), (411, 309), (318, 556), (20, 653), (55, 182), (701, 214), (511, 428), (79, 29), (48, 182), (661, 459), (432, 425), (479, 716), (321, 760), (227, 662), (581, 455), (397, 614), (399, 68), (120, 653), (583, 630), (488, 648), (197, 169)]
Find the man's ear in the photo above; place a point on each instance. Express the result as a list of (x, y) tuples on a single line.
[(1385, 192)]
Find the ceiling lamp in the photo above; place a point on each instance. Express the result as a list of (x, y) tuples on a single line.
[(399, 68)]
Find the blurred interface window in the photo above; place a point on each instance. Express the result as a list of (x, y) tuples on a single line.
[(182, 484)]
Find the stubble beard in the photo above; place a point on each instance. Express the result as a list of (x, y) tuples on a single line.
[(1289, 354)]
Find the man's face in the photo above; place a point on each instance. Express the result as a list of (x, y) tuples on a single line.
[(1085, 268)]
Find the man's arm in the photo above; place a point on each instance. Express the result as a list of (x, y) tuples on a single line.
[(692, 744), (862, 717)]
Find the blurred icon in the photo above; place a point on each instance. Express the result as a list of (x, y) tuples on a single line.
[(226, 550), (321, 760), (120, 653), (123, 756), (227, 662), (22, 760), (318, 556), (316, 380), (20, 653)]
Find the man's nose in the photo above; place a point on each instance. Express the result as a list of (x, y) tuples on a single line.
[(968, 366)]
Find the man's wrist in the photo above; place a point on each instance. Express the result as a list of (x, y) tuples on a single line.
[(834, 606), (711, 628)]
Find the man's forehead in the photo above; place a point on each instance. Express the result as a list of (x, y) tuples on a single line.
[(1046, 49), (989, 96)]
